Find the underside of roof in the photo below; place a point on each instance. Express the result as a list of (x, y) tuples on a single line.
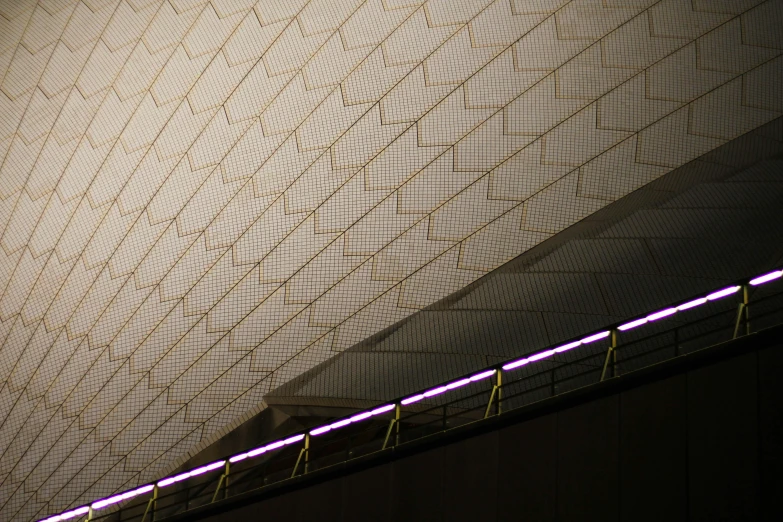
[(709, 223)]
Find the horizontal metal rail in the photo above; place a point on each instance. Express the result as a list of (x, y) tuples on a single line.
[(610, 353)]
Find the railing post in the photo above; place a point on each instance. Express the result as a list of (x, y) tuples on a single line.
[(495, 392), (223, 481), (304, 452), (394, 425), (500, 390), (614, 352), (611, 356), (307, 453), (151, 504), (743, 312), (397, 412), (746, 301)]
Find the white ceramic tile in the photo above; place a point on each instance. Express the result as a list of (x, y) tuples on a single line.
[(235, 191)]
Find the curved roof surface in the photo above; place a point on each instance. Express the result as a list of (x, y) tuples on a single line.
[(201, 200)]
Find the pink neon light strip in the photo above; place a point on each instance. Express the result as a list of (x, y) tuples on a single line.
[(102, 503), (766, 278)]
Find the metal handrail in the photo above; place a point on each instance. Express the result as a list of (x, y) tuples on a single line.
[(405, 419)]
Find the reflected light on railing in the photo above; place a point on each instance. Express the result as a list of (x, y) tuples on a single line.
[(482, 375), (632, 324), (435, 391), (692, 304), (98, 504), (722, 293), (596, 337), (542, 355), (660, 315), (766, 278), (458, 384), (411, 400), (192, 473), (566, 347)]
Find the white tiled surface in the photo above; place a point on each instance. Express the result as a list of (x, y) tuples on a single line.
[(200, 200)]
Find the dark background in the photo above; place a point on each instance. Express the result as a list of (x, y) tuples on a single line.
[(699, 444)]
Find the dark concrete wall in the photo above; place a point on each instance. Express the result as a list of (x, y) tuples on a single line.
[(701, 445)]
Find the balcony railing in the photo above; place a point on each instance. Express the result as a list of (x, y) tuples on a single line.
[(748, 306)]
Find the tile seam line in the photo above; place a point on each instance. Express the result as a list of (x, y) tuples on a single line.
[(488, 4), (52, 252), (486, 371), (294, 19)]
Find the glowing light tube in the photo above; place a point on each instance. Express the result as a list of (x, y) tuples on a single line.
[(457, 384), (262, 449), (382, 409), (632, 324), (98, 504), (274, 445), (107, 501), (691, 304), (171, 480), (361, 416), (435, 391), (766, 278), (661, 314), (69, 514), (722, 293), (515, 364), (295, 438), (542, 355), (207, 468), (256, 452), (321, 430), (340, 424), (566, 347), (592, 338), (411, 400), (482, 375), (144, 489)]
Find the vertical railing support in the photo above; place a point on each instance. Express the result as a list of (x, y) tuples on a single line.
[(495, 393), (152, 505), (394, 426), (397, 412), (499, 384), (611, 356), (743, 312), (223, 482), (304, 452), (307, 453)]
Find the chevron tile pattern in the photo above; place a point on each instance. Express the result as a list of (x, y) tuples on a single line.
[(200, 200)]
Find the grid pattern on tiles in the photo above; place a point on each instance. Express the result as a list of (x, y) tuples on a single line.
[(200, 200), (666, 242), (769, 316)]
